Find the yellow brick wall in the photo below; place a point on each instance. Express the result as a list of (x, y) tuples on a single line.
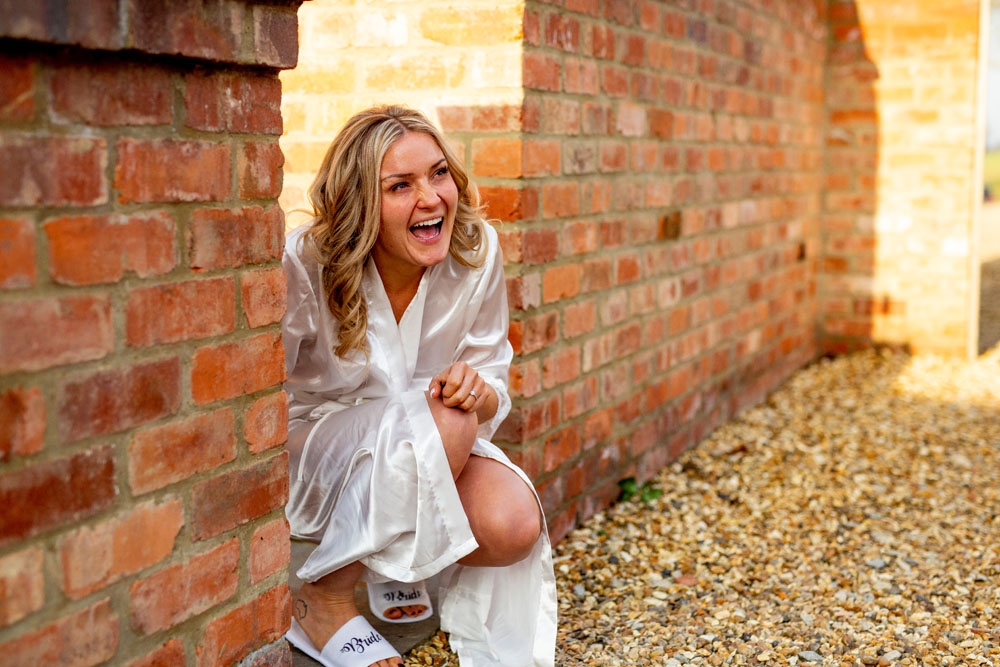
[(428, 55), (904, 138)]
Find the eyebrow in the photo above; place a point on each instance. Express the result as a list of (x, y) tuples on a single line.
[(408, 174)]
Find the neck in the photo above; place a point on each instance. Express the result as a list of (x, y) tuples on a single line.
[(400, 287)]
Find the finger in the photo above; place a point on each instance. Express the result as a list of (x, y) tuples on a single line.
[(452, 379)]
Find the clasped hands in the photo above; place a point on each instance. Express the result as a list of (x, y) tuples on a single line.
[(459, 386)]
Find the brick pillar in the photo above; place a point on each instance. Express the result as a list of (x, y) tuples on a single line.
[(142, 478), (899, 261)]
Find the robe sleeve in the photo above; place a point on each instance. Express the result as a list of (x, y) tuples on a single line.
[(485, 346), (299, 324)]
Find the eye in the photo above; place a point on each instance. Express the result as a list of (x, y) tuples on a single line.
[(441, 171), (396, 187)]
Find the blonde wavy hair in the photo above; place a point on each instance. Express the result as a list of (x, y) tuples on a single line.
[(347, 209)]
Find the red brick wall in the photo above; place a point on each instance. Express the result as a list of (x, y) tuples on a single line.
[(661, 219), (905, 129), (657, 185), (142, 478)]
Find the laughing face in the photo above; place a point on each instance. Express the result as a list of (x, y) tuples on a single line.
[(419, 201)]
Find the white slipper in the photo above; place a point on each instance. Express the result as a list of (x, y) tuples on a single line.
[(356, 644), (394, 595)]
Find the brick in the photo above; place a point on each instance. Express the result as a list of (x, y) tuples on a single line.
[(497, 157), (613, 156), (22, 422), (238, 496), (503, 203), (52, 493), (17, 253), (170, 654), (109, 401), (462, 27), (270, 550), (628, 269), (614, 81), (276, 36), (94, 557), (580, 398), (22, 585), (524, 292), (422, 74), (542, 158), (266, 422), (211, 31), (106, 95), (540, 246), (580, 76), (92, 249), (561, 447), (233, 102), (560, 200), (42, 333), (560, 282), (264, 296), (258, 169), (541, 71), (230, 638), (224, 238), (561, 367), (166, 454), (182, 591), (82, 639), (238, 368), (562, 32), (540, 331), (94, 24), (579, 238), (596, 275), (17, 88), (579, 318), (180, 311), (525, 379), (561, 116), (602, 39), (53, 171), (172, 170)]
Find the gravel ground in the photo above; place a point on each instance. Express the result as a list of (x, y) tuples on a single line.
[(852, 519)]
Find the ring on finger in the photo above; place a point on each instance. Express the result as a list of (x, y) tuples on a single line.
[(472, 393)]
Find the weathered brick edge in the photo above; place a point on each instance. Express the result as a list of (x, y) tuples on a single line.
[(142, 474)]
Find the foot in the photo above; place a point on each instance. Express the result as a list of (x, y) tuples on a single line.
[(399, 602), (321, 615)]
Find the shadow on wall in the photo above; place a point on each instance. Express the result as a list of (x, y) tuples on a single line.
[(848, 299), (989, 286)]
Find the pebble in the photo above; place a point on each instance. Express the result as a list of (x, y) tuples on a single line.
[(838, 523)]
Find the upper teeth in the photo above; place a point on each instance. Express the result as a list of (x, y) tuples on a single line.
[(429, 223)]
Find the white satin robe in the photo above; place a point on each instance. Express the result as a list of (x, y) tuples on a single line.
[(369, 477)]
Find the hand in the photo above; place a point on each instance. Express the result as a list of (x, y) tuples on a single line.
[(459, 386)]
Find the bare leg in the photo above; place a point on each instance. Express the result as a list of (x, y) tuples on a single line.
[(502, 511), (324, 606)]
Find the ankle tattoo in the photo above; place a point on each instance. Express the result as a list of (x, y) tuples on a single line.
[(301, 608)]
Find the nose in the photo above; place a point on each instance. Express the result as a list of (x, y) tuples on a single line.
[(427, 196)]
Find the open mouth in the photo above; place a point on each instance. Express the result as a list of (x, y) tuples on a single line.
[(427, 230)]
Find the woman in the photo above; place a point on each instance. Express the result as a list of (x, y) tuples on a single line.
[(397, 356)]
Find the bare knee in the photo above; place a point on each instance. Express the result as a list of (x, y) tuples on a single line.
[(507, 533)]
